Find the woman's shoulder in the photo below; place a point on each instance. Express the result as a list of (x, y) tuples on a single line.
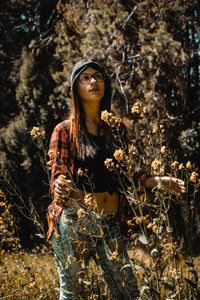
[(64, 126)]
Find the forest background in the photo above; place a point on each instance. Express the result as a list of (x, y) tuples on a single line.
[(150, 49)]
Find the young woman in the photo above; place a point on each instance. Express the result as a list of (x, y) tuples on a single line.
[(90, 222)]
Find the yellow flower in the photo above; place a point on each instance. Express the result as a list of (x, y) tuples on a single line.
[(31, 284), (140, 273), (155, 228), (109, 118), (189, 165), (173, 273), (80, 172), (150, 225), (137, 108), (181, 166), (62, 177), (163, 149), (194, 176), (174, 164), (155, 129), (69, 260), (155, 164), (81, 213), (164, 278), (109, 164), (130, 223), (90, 201), (132, 150), (114, 255), (119, 155), (51, 154), (162, 169), (105, 115), (35, 132)]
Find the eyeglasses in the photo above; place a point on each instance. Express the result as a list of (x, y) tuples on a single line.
[(86, 78)]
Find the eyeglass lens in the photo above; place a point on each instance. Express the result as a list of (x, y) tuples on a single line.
[(86, 78)]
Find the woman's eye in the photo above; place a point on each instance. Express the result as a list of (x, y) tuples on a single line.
[(85, 77), (98, 76)]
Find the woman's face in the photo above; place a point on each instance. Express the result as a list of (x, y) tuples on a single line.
[(91, 89)]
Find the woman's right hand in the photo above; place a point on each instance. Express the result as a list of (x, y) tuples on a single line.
[(63, 187)]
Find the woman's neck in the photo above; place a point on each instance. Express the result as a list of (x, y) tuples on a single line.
[(92, 117), (92, 112)]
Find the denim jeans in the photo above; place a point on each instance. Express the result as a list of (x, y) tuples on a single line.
[(96, 231)]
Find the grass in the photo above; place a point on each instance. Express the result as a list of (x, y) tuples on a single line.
[(34, 275), (28, 276)]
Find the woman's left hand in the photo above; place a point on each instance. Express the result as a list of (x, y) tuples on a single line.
[(168, 184), (171, 184)]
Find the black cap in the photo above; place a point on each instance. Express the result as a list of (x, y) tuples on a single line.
[(81, 66)]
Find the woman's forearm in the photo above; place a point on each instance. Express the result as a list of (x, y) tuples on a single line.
[(151, 182), (166, 183)]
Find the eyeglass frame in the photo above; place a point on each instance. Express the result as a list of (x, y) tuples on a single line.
[(92, 76)]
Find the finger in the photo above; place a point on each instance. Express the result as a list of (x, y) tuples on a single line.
[(58, 192), (60, 183)]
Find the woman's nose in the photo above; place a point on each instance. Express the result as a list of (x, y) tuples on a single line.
[(92, 81)]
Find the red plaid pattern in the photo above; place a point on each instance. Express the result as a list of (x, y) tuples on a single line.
[(61, 149), (62, 153)]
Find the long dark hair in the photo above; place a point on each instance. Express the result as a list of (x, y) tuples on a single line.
[(81, 138)]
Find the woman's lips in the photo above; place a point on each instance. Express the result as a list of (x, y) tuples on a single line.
[(94, 90)]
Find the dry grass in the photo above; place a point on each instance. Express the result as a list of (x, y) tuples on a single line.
[(28, 276), (34, 276)]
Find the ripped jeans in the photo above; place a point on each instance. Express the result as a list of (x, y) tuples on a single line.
[(95, 232)]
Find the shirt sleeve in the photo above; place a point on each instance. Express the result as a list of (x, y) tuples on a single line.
[(59, 152)]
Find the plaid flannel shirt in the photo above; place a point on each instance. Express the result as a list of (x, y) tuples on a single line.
[(62, 161)]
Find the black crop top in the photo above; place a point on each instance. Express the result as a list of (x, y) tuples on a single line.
[(101, 179)]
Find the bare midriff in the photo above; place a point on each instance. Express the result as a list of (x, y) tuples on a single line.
[(101, 202)]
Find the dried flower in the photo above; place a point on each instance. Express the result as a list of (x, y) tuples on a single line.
[(109, 164), (162, 169), (81, 213), (69, 260), (174, 164), (194, 176), (132, 150), (155, 164), (163, 149), (119, 155), (150, 225), (130, 223), (155, 228), (137, 108), (181, 166), (155, 129), (80, 172), (164, 278), (51, 154), (35, 132), (114, 255), (90, 201), (110, 119), (189, 165), (173, 273), (31, 284)]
